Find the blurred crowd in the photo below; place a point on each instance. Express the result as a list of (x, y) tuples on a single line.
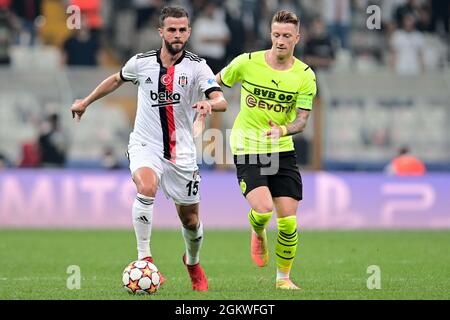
[(412, 38), (413, 35)]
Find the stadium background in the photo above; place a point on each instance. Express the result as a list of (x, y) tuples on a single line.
[(368, 107)]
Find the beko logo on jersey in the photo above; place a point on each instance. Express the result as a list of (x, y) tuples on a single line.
[(165, 98)]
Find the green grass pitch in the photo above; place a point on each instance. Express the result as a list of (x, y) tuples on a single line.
[(329, 265)]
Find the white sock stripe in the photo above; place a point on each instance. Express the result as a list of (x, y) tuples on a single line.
[(144, 202), (140, 195), (145, 197)]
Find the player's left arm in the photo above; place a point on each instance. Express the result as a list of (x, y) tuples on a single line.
[(207, 83), (297, 126), (304, 105), (215, 103)]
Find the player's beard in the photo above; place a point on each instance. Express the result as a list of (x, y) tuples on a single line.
[(172, 50)]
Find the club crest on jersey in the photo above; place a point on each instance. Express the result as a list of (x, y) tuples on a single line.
[(166, 79), (183, 80)]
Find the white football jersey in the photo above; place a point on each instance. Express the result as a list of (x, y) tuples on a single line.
[(165, 117)]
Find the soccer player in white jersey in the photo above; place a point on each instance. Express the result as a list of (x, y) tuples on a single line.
[(171, 83)]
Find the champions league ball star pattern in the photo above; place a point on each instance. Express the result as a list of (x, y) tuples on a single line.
[(141, 277)]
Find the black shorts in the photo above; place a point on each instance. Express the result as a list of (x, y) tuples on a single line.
[(277, 171)]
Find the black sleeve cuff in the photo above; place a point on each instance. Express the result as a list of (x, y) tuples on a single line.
[(210, 90), (123, 78)]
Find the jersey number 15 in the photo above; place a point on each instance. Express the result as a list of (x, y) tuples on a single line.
[(192, 187)]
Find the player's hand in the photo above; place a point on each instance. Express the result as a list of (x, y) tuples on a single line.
[(78, 108), (203, 107), (275, 132), (199, 125)]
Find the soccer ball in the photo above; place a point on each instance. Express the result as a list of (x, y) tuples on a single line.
[(141, 277)]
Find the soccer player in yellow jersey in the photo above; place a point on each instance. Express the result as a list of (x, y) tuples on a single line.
[(277, 92)]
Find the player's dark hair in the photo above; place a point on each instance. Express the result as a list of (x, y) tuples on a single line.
[(173, 12), (284, 16)]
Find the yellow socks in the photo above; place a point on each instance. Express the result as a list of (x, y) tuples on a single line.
[(259, 221), (286, 245)]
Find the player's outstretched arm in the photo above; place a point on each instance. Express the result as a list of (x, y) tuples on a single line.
[(216, 103), (106, 87)]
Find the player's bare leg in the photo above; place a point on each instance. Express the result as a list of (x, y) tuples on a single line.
[(192, 230), (259, 216), (286, 241), (146, 182)]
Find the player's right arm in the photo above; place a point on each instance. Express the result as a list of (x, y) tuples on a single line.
[(106, 87), (128, 73)]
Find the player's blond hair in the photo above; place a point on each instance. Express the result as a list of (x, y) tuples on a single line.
[(285, 16)]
